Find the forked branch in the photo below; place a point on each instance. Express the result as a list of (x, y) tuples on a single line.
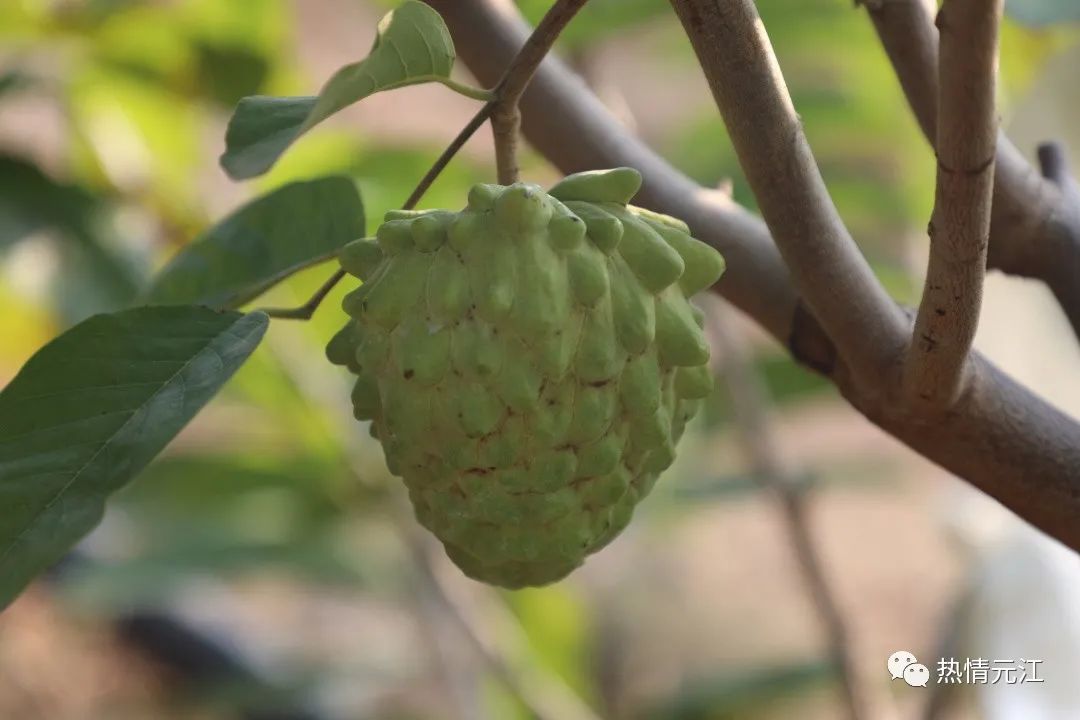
[(1035, 223), (825, 264), (937, 359), (505, 116)]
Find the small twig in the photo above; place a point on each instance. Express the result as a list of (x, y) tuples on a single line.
[(1054, 167), (506, 118), (1060, 259), (545, 695), (749, 402), (462, 137), (305, 311), (1054, 164), (952, 629), (460, 672), (948, 316)]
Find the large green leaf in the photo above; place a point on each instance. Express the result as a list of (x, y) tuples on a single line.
[(412, 46), (91, 409), (262, 243), (1044, 12)]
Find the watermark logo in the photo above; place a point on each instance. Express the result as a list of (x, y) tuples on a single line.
[(972, 671), (898, 661), (916, 675)]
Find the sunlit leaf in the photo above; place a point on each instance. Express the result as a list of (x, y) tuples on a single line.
[(91, 409), (262, 243), (1044, 12), (556, 622), (413, 46), (143, 136)]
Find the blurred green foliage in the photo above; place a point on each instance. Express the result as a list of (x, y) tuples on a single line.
[(1043, 12)]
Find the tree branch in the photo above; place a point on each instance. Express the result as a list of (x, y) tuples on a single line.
[(825, 264), (505, 123), (948, 315), (1035, 225), (758, 439), (503, 651), (577, 133), (998, 435), (506, 118)]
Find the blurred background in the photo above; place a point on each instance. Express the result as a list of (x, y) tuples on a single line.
[(268, 566)]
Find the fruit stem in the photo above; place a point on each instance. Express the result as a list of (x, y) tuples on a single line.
[(505, 123), (505, 117), (305, 311)]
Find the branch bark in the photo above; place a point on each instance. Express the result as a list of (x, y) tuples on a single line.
[(998, 435), (825, 264), (1035, 223), (937, 360)]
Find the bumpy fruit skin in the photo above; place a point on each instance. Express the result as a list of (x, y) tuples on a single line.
[(528, 365)]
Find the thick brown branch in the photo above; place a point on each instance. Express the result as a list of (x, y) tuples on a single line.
[(825, 264), (998, 436), (1034, 226), (948, 316)]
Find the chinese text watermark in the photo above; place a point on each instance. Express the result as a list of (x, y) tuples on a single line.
[(973, 671)]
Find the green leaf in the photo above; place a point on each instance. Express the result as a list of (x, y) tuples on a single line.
[(262, 243), (91, 409), (13, 80), (412, 46), (751, 693), (31, 200), (96, 275), (1043, 12)]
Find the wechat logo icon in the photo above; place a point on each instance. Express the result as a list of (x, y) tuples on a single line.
[(903, 664)]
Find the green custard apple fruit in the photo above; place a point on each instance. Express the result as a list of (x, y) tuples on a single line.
[(528, 365)]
